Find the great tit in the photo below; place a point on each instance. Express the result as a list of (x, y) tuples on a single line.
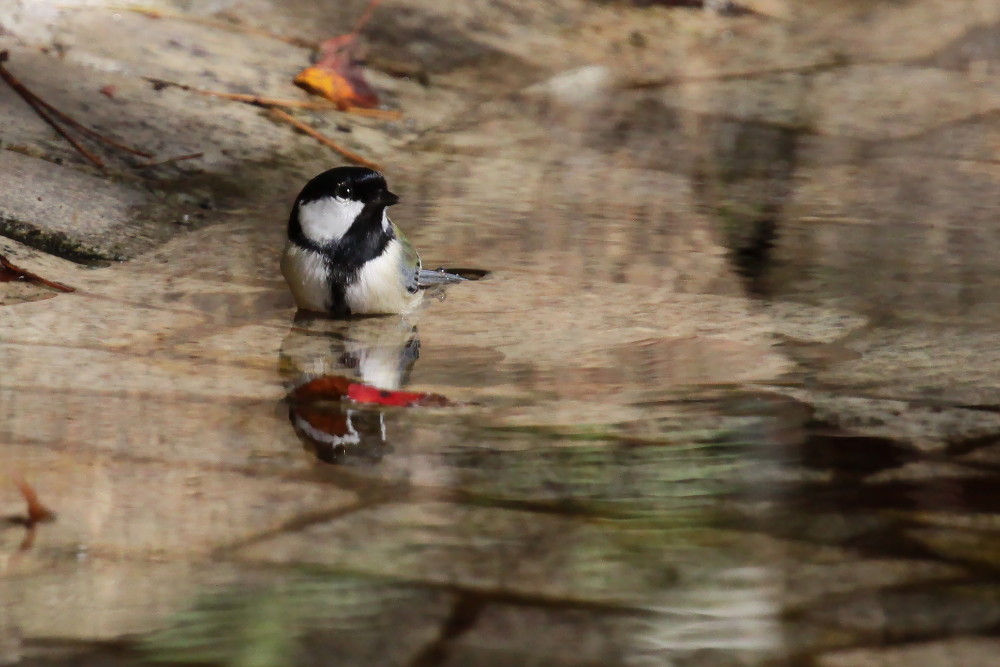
[(344, 256)]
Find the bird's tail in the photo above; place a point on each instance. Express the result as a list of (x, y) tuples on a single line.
[(428, 278)]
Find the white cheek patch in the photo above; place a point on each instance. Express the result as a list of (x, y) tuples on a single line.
[(385, 220), (328, 219)]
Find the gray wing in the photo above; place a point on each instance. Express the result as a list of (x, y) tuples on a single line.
[(409, 261), (428, 278), (415, 277)]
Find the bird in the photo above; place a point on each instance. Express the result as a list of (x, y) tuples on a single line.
[(344, 256)]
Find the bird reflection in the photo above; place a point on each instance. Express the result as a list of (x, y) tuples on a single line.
[(320, 358), (335, 434)]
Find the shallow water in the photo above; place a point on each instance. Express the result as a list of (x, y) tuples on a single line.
[(727, 396)]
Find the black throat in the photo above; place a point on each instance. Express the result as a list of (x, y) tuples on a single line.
[(364, 240)]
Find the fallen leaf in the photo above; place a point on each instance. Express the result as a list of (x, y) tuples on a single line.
[(335, 388), (338, 76)]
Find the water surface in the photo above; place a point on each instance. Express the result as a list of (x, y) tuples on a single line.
[(727, 397)]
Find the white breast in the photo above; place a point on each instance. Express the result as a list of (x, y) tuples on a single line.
[(328, 219), (380, 287), (306, 274)]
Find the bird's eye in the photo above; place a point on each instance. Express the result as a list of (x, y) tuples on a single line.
[(343, 191)]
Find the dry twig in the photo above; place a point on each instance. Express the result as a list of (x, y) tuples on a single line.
[(49, 114), (268, 102), (322, 138), (176, 158), (37, 512), (89, 131), (36, 104), (369, 10), (34, 277), (208, 23)]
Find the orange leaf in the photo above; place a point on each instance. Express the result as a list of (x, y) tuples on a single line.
[(335, 87), (338, 76)]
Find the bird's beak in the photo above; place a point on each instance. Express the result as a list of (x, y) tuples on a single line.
[(386, 198)]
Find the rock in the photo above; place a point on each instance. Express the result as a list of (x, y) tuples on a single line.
[(72, 213), (956, 652)]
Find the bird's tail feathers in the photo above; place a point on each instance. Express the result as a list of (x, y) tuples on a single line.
[(428, 278)]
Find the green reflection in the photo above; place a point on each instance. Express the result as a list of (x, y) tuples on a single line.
[(263, 625), (601, 477)]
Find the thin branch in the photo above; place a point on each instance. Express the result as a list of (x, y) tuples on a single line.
[(256, 100), (369, 10), (90, 132), (5, 263), (323, 139), (382, 114), (178, 158), (268, 102), (209, 23), (37, 512), (44, 109), (36, 104)]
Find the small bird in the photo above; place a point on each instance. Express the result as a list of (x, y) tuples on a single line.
[(344, 255)]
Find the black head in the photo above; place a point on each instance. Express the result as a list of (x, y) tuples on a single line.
[(358, 184), (342, 203)]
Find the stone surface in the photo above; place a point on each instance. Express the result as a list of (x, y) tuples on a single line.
[(84, 216), (106, 504), (495, 550), (971, 651), (728, 396)]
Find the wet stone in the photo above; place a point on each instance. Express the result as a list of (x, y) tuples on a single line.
[(301, 619), (925, 423), (728, 396), (910, 613), (501, 634), (959, 651), (954, 538), (70, 212), (23, 291), (482, 548), (90, 599), (103, 507), (813, 573)]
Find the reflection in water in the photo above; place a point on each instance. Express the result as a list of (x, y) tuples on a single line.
[(298, 620), (614, 537), (36, 514), (378, 351), (375, 351), (336, 434)]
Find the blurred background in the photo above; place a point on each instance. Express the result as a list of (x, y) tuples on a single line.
[(727, 394)]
